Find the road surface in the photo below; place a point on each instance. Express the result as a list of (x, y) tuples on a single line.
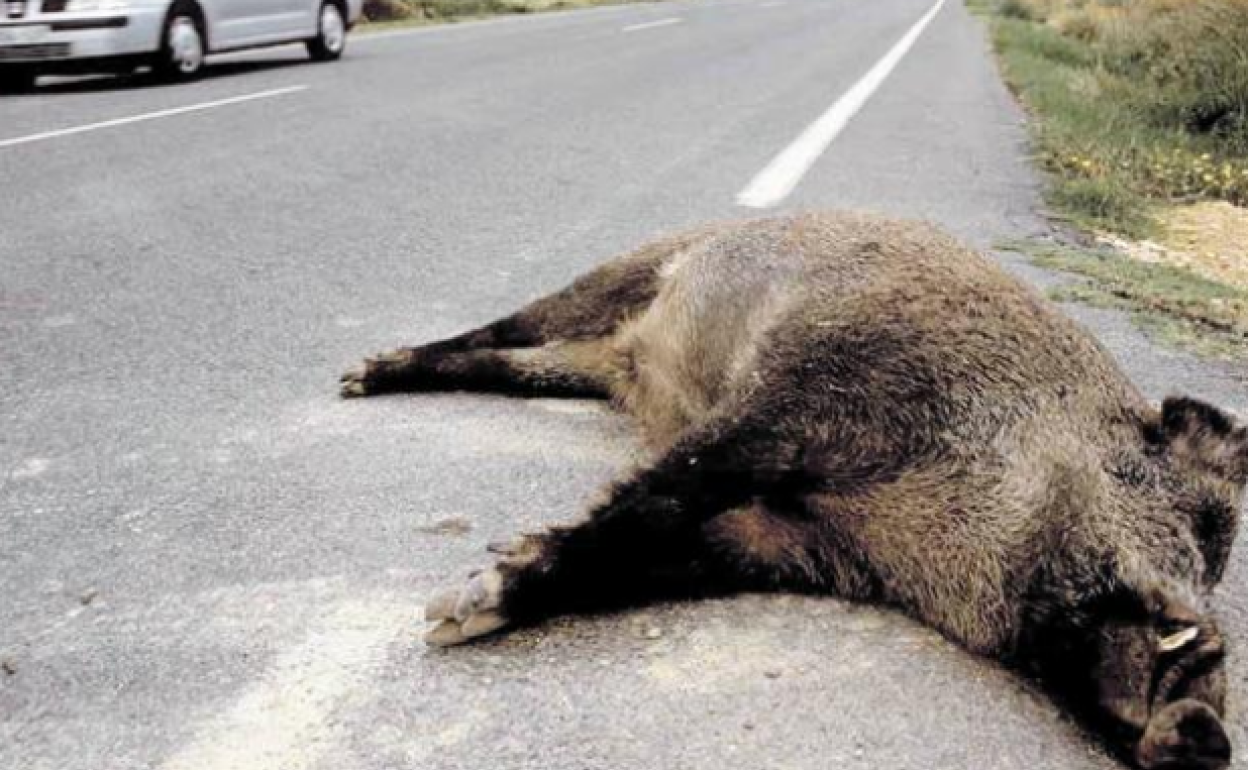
[(210, 562)]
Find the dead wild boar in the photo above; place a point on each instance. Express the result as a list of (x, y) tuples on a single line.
[(852, 405)]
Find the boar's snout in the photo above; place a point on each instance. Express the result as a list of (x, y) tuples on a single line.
[(1185, 735)]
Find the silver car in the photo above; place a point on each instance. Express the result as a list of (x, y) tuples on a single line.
[(170, 36)]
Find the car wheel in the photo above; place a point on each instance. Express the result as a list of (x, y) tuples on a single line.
[(182, 49), (331, 34), (17, 80)]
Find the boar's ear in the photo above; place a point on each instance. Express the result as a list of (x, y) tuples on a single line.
[(1205, 437)]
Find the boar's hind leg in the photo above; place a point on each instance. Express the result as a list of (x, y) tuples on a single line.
[(591, 309), (572, 369), (688, 526)]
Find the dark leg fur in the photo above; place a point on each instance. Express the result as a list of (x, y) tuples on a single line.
[(765, 547), (558, 572), (590, 309), (667, 555), (663, 534), (573, 370)]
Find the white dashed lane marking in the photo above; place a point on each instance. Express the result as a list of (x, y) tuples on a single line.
[(774, 183), (117, 122)]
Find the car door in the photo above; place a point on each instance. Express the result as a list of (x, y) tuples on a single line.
[(300, 18), (287, 20), (241, 23)]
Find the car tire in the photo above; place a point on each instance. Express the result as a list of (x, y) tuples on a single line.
[(331, 33), (182, 45), (17, 80)]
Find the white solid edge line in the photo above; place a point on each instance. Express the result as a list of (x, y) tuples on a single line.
[(652, 24), (774, 183), (149, 116)]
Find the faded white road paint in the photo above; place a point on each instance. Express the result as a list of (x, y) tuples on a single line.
[(117, 122), (59, 321), (31, 468), (774, 183), (652, 24), (283, 720)]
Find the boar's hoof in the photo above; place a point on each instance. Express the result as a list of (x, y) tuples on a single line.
[(463, 614), (1185, 735), (374, 373), (354, 383)]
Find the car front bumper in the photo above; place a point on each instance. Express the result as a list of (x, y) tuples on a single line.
[(66, 37)]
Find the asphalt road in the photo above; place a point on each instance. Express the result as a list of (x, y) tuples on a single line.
[(209, 562)]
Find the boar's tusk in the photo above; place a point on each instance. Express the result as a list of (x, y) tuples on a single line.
[(1176, 640)]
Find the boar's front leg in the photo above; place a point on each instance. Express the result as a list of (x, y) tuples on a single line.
[(655, 536)]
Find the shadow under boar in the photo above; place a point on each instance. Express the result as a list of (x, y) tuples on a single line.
[(846, 404)]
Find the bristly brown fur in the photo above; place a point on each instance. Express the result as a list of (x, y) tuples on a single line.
[(861, 406)]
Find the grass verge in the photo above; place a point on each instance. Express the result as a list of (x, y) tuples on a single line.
[(1139, 113), (387, 14), (1134, 103), (1173, 305)]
